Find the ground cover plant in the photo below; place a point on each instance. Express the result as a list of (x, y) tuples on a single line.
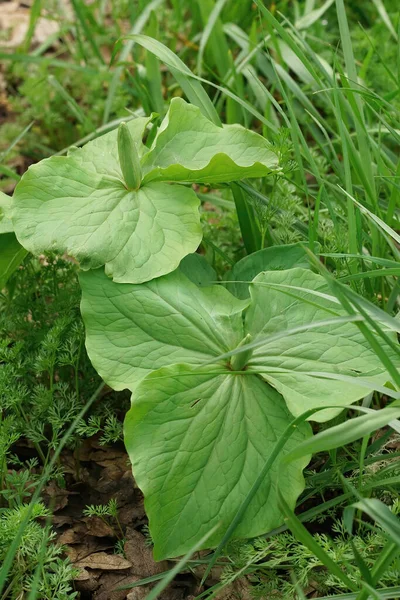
[(237, 255)]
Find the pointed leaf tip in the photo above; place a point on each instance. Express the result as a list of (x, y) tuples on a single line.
[(129, 158), (240, 360)]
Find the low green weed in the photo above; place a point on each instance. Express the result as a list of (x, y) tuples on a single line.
[(36, 551), (268, 563), (45, 379), (108, 513)]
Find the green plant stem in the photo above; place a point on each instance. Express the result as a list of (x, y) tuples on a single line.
[(76, 369), (108, 525), (119, 527), (363, 450)]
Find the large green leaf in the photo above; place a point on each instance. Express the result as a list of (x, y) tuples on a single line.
[(5, 214), (296, 363), (81, 205), (138, 235), (276, 258), (11, 256), (197, 269), (135, 329), (197, 443), (189, 147), (199, 435), (11, 251)]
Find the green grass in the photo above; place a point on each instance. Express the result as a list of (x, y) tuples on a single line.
[(324, 88)]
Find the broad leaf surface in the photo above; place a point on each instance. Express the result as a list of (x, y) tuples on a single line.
[(79, 204), (11, 251), (198, 270), (64, 206), (5, 214), (197, 435), (294, 364), (276, 258), (197, 443), (11, 256), (135, 329), (189, 147)]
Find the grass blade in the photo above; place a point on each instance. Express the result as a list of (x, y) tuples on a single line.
[(379, 512), (73, 106), (380, 7), (374, 218), (81, 13), (15, 141), (391, 593), (153, 73), (347, 432), (34, 16), (190, 85), (250, 232), (301, 533), (214, 35), (137, 28), (178, 567)]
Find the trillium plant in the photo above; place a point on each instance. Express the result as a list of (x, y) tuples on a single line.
[(116, 203), (217, 370)]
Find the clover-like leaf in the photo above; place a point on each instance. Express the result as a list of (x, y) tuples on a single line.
[(189, 147), (197, 435), (79, 205), (111, 203), (275, 258), (295, 364), (197, 442), (135, 329)]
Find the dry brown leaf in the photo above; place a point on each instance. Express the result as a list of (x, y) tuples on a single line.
[(72, 536), (83, 575), (170, 593), (57, 497), (238, 590), (107, 456), (132, 513), (104, 561), (80, 552), (141, 555), (70, 463), (109, 584), (61, 520), (89, 582), (97, 527), (139, 593)]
